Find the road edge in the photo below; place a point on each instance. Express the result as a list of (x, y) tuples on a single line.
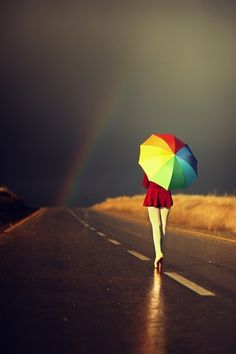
[(36, 213)]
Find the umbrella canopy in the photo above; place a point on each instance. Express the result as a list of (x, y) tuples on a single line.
[(168, 161)]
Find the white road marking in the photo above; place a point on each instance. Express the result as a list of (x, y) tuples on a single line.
[(189, 284), (73, 213), (113, 241), (77, 217), (100, 233), (92, 228), (87, 225), (138, 255)]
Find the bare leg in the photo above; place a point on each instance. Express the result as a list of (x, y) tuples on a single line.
[(164, 216), (155, 219)]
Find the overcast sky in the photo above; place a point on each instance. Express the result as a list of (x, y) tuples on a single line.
[(84, 83)]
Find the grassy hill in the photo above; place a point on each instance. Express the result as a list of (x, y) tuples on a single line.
[(12, 208)]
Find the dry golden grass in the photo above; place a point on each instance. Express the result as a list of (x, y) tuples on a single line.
[(202, 212)]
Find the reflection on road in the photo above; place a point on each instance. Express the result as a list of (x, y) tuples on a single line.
[(153, 339)]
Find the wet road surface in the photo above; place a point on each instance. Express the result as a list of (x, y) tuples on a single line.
[(76, 281)]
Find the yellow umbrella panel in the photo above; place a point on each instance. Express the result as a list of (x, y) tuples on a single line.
[(153, 159)]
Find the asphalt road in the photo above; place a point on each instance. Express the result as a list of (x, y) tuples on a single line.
[(75, 281)]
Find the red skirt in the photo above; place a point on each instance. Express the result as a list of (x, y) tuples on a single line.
[(158, 198)]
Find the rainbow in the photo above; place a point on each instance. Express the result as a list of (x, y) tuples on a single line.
[(104, 113)]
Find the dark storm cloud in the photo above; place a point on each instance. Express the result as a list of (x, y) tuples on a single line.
[(175, 60)]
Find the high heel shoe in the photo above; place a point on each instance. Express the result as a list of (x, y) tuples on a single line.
[(158, 265)]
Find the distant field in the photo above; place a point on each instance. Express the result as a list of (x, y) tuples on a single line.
[(199, 212)]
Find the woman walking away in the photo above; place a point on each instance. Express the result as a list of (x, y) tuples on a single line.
[(168, 161), (158, 202)]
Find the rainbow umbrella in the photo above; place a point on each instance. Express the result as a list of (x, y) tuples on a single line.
[(168, 161)]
